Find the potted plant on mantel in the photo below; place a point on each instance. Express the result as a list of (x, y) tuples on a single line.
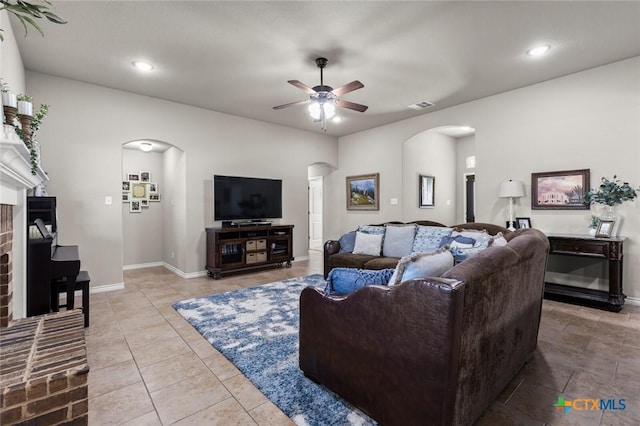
[(611, 193)]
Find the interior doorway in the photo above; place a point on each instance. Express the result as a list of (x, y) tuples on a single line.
[(469, 197), (315, 213)]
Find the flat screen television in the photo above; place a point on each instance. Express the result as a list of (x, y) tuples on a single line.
[(236, 197)]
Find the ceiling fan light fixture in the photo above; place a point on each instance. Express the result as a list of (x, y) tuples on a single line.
[(317, 108)]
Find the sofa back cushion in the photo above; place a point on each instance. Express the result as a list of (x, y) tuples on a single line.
[(427, 239), (398, 240), (422, 265), (370, 244)]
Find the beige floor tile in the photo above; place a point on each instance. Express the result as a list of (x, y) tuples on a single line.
[(187, 397), (120, 405), (268, 414), (221, 366), (143, 336), (498, 414), (149, 419), (160, 351), (172, 370), (244, 391), (100, 355), (116, 376), (226, 413)]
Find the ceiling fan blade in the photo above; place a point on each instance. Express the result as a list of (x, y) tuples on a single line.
[(292, 104), (300, 85), (349, 87), (352, 105)]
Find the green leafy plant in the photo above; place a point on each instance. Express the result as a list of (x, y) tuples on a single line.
[(28, 11), (38, 117), (26, 98), (4, 87), (611, 192)]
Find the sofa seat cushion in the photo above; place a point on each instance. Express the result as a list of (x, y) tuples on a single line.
[(348, 260), (347, 280), (382, 263)]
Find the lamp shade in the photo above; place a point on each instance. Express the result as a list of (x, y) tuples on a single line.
[(514, 189)]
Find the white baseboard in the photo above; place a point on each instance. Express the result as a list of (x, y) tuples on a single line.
[(96, 289), (142, 266), (632, 301)]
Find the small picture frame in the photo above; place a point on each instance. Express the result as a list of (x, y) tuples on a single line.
[(363, 192), (154, 197), (153, 187), (135, 207), (145, 176), (126, 197), (139, 191), (126, 185), (427, 191), (144, 203), (135, 177), (523, 222), (605, 228)]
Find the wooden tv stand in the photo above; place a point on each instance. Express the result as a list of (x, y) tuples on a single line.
[(245, 248)]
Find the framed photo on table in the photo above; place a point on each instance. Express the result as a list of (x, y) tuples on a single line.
[(523, 222), (605, 228)]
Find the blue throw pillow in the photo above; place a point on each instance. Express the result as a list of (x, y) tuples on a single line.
[(348, 280), (347, 242), (460, 239)]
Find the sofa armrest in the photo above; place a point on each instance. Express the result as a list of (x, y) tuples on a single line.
[(393, 352), (330, 247)]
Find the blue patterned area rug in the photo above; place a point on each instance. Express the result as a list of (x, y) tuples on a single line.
[(257, 330)]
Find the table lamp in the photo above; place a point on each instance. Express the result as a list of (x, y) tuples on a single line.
[(511, 190)]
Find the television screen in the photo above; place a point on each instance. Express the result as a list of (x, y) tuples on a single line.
[(237, 197)]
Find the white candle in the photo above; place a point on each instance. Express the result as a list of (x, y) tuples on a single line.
[(9, 99), (25, 108)]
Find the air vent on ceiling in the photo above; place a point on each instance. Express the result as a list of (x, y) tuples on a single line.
[(421, 105)]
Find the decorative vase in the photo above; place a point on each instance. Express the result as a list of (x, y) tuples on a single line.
[(25, 108)]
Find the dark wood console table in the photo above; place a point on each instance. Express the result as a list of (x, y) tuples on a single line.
[(609, 249)]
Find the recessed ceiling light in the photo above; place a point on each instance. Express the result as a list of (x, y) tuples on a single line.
[(336, 119), (142, 66), (538, 50)]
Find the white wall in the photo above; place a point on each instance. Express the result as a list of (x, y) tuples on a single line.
[(11, 67), (82, 151), (433, 154), (143, 232), (174, 207), (589, 120)]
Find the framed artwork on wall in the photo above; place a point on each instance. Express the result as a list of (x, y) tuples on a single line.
[(133, 177), (363, 192), (135, 207), (139, 191), (145, 176), (126, 197), (427, 191), (126, 185), (560, 190)]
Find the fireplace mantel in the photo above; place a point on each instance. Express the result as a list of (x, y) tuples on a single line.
[(15, 166), (15, 180)]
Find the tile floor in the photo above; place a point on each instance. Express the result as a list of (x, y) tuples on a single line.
[(150, 367)]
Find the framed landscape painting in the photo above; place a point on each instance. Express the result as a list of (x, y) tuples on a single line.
[(560, 190), (363, 192)]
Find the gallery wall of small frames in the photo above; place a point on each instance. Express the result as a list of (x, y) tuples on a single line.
[(139, 191)]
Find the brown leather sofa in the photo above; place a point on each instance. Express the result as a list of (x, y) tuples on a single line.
[(334, 259), (432, 351)]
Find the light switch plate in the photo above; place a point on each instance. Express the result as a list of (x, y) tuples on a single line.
[(108, 200)]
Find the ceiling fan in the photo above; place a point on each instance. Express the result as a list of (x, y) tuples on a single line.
[(323, 100)]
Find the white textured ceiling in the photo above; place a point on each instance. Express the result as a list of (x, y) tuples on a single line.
[(236, 56)]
